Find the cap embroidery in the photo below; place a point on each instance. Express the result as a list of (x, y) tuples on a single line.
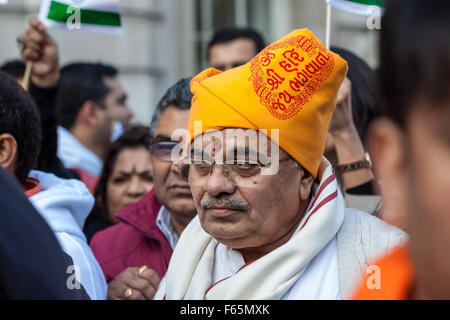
[(285, 80)]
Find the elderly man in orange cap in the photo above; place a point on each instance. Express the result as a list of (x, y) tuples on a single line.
[(271, 220)]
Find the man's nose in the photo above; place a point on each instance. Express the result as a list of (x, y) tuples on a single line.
[(130, 113), (219, 181), (175, 169)]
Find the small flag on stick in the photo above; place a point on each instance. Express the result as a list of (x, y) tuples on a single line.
[(87, 15), (361, 7)]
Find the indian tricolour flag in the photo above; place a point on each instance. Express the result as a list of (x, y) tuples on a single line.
[(362, 7), (84, 15)]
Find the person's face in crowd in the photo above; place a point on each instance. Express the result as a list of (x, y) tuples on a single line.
[(171, 191), (229, 55), (414, 172), (116, 108), (428, 173), (130, 179), (242, 208)]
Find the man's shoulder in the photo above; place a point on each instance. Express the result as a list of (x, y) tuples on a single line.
[(369, 235), (367, 226), (361, 241)]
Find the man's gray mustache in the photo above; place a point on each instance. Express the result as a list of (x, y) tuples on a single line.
[(229, 204)]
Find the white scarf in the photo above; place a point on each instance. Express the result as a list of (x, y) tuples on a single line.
[(189, 275)]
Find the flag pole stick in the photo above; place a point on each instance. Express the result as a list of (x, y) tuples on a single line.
[(328, 26), (26, 76)]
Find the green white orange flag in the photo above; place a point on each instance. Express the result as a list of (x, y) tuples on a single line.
[(361, 7), (84, 15)]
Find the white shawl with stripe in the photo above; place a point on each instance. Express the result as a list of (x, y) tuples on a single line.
[(189, 275)]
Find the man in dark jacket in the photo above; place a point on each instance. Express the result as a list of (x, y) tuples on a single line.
[(33, 266)]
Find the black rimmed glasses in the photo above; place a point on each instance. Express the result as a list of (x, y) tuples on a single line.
[(163, 150), (203, 167)]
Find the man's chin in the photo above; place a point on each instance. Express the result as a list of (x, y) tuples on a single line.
[(223, 230)]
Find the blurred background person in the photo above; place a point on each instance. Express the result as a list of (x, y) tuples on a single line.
[(86, 99), (64, 204), (135, 253), (126, 177), (232, 47), (411, 149), (33, 266), (91, 103), (357, 106), (43, 87)]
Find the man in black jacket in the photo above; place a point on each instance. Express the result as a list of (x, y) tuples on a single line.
[(32, 265)]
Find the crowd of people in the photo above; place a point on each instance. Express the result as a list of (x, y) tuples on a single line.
[(284, 171)]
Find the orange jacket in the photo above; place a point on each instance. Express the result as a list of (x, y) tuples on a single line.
[(396, 278)]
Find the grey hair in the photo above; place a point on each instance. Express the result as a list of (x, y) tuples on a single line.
[(178, 96)]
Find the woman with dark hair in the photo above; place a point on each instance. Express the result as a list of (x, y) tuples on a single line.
[(358, 104), (126, 177)]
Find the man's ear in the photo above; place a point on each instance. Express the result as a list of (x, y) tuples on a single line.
[(90, 113), (8, 152), (387, 147), (306, 183)]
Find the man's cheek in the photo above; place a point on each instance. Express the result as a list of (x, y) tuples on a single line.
[(197, 195), (161, 173)]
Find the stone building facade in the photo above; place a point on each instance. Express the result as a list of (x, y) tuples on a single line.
[(165, 40)]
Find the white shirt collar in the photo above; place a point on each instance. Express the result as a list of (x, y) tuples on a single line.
[(74, 154), (165, 225)]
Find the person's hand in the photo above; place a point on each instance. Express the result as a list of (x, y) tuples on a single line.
[(134, 284), (345, 138), (42, 50), (342, 120)]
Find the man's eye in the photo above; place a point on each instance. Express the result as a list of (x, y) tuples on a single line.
[(246, 165), (202, 164)]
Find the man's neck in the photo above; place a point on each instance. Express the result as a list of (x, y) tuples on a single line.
[(89, 140), (251, 254), (178, 224)]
